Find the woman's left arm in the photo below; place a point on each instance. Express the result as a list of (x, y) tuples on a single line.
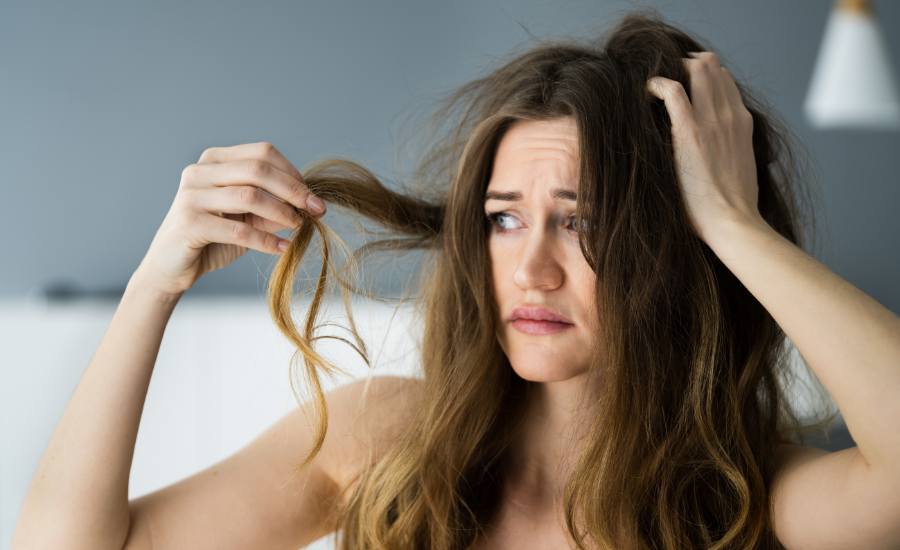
[(848, 339), (846, 499)]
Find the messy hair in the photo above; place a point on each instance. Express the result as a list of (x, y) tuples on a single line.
[(694, 369)]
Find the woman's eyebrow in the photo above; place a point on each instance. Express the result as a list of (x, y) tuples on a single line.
[(557, 193)]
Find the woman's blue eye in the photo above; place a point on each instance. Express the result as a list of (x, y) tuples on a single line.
[(492, 218), (495, 219)]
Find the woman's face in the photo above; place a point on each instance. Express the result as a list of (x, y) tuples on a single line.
[(534, 253)]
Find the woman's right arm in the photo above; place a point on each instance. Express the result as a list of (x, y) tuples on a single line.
[(78, 496), (232, 199)]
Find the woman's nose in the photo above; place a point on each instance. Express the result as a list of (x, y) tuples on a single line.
[(537, 267)]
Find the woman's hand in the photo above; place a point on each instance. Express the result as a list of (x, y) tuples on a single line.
[(232, 199), (712, 138)]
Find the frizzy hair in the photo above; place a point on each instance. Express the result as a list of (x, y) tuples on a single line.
[(693, 369)]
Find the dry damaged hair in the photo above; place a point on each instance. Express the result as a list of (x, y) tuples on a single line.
[(695, 371)]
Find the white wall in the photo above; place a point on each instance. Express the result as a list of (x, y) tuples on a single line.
[(221, 377)]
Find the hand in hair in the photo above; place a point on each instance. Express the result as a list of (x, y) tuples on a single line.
[(232, 199), (712, 139)]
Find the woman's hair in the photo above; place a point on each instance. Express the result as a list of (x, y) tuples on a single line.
[(691, 371)]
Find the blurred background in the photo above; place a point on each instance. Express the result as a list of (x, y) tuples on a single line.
[(102, 104)]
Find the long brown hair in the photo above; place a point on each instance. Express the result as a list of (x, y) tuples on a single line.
[(694, 369)]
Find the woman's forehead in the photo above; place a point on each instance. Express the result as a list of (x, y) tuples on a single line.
[(533, 143)]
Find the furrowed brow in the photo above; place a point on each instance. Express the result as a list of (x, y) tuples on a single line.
[(513, 196)]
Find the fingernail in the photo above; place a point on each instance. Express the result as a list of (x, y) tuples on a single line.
[(315, 203), (283, 245)]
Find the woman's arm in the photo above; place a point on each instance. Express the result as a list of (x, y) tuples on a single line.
[(848, 339), (78, 497), (851, 342), (232, 200), (850, 498), (847, 499)]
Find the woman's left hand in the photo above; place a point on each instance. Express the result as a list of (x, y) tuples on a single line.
[(712, 140)]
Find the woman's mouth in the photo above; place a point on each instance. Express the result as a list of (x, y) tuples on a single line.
[(531, 326)]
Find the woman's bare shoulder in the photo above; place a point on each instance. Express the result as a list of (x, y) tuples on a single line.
[(257, 493), (365, 417)]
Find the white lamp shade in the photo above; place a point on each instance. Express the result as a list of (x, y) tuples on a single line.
[(853, 84)]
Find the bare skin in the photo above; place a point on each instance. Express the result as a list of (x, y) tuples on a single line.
[(232, 200), (536, 260)]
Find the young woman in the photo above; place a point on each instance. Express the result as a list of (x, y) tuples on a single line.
[(612, 237)]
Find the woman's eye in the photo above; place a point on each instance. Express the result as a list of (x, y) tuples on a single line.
[(496, 220)]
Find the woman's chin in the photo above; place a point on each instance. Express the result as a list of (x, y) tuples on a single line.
[(546, 371)]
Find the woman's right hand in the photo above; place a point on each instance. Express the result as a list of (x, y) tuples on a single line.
[(232, 199)]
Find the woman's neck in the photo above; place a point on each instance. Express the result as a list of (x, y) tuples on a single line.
[(548, 442)]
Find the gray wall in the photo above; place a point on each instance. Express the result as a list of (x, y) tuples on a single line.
[(103, 104)]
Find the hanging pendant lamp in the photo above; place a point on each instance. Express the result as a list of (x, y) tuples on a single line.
[(853, 84)]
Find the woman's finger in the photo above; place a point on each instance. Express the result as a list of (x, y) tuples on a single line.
[(256, 172), (706, 96), (733, 92), (216, 229), (237, 199), (264, 224), (675, 98), (262, 150)]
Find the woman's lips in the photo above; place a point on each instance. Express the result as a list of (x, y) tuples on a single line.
[(530, 326)]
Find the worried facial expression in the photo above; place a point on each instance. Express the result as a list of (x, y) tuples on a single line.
[(538, 269)]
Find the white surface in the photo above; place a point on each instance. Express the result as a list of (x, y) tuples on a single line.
[(221, 377)]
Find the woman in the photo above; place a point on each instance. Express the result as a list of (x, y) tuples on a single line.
[(613, 268)]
